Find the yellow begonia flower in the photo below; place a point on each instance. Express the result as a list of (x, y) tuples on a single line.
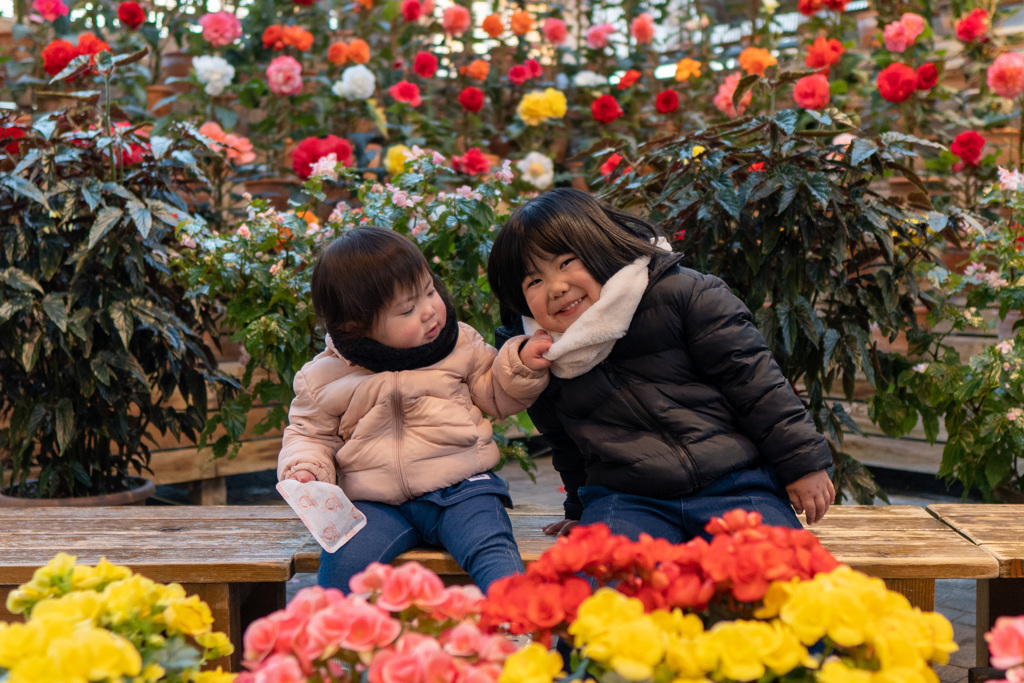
[(20, 599), (73, 607), (99, 655), (601, 611), (633, 648), (84, 577), (42, 669), (151, 674), (395, 158), (218, 676), (688, 660), (20, 641), (130, 598), (677, 624), (698, 150), (836, 672), (556, 103), (190, 616), (686, 69), (216, 643), (536, 107), (533, 664)]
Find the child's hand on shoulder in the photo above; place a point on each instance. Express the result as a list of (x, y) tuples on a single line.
[(532, 352), (812, 494), (302, 476)]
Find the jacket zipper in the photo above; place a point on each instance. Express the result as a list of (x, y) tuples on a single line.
[(399, 417), (652, 422)]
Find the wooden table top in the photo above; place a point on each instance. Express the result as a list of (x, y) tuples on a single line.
[(186, 544), (998, 529), (891, 542)]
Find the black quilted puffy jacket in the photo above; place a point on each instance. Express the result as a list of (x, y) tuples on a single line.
[(689, 394)]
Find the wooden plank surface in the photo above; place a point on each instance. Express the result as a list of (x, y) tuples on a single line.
[(180, 544), (998, 529)]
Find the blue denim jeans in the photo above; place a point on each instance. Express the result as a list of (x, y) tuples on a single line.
[(467, 520), (680, 520)]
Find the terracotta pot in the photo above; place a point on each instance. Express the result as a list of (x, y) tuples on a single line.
[(955, 258), (1007, 494), (176, 64), (1004, 141), (137, 496), (156, 93)]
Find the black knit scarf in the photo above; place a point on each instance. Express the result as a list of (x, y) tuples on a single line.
[(377, 357)]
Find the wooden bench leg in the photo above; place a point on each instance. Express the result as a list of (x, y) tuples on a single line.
[(920, 592), (996, 598), (213, 491), (258, 600)]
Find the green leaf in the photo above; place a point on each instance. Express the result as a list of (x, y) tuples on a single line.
[(55, 309), (819, 188), (728, 199), (787, 120), (106, 219), (123, 320), (76, 67), (24, 188), (160, 145), (141, 216), (64, 421), (863, 149), (745, 84), (18, 279)]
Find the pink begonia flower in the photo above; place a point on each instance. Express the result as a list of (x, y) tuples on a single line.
[(188, 242), (50, 10), (374, 577), (913, 24), (723, 100), (1006, 75), (1006, 642), (220, 28), (482, 673), (642, 28), (411, 584), (462, 601), (437, 158), (284, 76), (245, 234), (463, 640), (555, 31), (426, 8), (496, 648), (455, 20), (505, 174), (279, 669), (597, 36), (1009, 180), (895, 35)]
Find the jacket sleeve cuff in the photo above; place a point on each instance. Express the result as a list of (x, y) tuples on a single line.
[(321, 473), (511, 350)]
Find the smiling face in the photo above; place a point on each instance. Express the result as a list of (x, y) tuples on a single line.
[(558, 289), (413, 319)]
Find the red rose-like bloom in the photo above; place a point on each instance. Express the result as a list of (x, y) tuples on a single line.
[(407, 92), (837, 5), (536, 70), (667, 101), (824, 52), (303, 2), (473, 162), (605, 109), (968, 147), (972, 26), (812, 92), (628, 79), (518, 74), (57, 55), (88, 44), (611, 163), (311, 150), (273, 37), (411, 10), (11, 133), (896, 82), (131, 15), (927, 76), (756, 167), (808, 7), (472, 99), (424, 65)]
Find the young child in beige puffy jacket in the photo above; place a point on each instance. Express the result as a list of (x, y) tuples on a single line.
[(392, 411)]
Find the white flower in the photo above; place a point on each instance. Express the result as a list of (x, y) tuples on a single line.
[(769, 6), (357, 83), (188, 242), (920, 367), (537, 169), (589, 79), (325, 168), (505, 174), (243, 232), (1005, 347), (1009, 180), (215, 72), (437, 158), (691, 25), (466, 192), (1014, 414)]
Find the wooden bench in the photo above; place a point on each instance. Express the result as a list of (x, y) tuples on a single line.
[(999, 530), (237, 559), (902, 544)]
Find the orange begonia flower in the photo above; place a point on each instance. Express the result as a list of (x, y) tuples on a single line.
[(521, 22), (368, 4), (337, 53), (686, 69), (754, 60), (359, 51), (272, 37), (492, 25), (477, 69), (297, 37)]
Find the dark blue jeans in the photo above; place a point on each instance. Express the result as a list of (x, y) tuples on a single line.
[(681, 519), (473, 528)]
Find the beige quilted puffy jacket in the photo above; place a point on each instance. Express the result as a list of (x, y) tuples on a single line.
[(392, 436)]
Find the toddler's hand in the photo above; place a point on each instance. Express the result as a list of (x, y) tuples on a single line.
[(532, 353), (560, 528), (302, 476), (811, 494)]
